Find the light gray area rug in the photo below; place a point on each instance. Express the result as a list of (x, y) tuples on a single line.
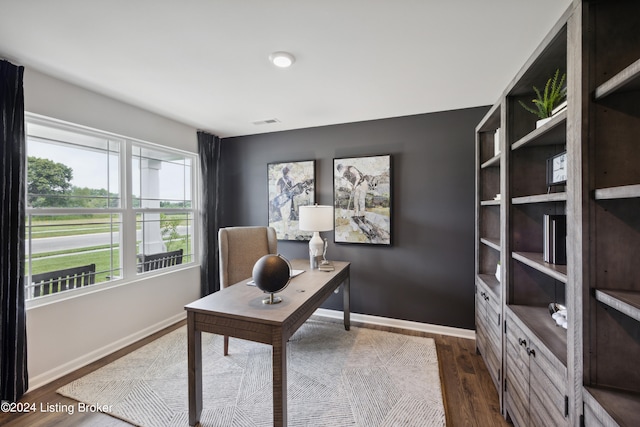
[(361, 377)]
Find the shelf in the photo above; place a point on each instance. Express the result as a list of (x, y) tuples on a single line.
[(622, 406), (492, 162), (553, 132), (490, 203), (490, 281), (626, 80), (540, 198), (535, 260), (626, 302), (492, 243), (622, 192), (540, 322), (491, 120)]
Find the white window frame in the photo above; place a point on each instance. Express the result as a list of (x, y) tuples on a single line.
[(128, 261)]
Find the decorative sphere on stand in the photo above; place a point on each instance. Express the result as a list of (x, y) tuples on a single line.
[(271, 274)]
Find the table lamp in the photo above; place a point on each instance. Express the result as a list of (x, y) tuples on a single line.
[(315, 218)]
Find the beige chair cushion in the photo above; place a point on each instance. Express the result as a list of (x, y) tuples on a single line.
[(240, 248)]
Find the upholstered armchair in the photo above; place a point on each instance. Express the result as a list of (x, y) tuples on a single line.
[(240, 248)]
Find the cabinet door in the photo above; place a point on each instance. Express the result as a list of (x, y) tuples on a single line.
[(546, 402), (547, 388), (517, 374), (481, 321), (493, 331)]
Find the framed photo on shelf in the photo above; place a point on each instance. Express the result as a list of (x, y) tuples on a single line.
[(290, 185), (557, 169), (362, 199)]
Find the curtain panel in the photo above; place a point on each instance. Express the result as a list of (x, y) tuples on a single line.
[(209, 150), (13, 340)]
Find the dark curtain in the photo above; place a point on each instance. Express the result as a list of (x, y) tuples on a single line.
[(13, 333), (209, 150)]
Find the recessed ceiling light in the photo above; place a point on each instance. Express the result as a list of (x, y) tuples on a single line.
[(282, 59)]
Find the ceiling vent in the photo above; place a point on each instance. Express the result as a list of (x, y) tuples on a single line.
[(266, 122)]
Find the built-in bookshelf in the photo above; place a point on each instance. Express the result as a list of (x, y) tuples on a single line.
[(611, 294), (535, 352), (593, 361), (489, 206), (587, 373)]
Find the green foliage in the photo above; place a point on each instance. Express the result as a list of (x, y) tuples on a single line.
[(84, 197), (169, 230), (48, 182), (554, 94)]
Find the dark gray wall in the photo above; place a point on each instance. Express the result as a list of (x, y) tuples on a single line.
[(427, 275)]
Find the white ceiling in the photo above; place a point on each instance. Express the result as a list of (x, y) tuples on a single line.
[(205, 62)]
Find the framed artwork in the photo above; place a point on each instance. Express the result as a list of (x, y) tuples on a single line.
[(291, 185), (362, 195), (557, 169)]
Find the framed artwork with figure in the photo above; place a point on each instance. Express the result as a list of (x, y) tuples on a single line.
[(362, 199), (290, 185)]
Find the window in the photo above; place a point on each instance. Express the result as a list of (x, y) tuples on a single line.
[(89, 221), (162, 200)]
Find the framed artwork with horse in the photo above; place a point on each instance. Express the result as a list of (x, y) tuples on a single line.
[(291, 185)]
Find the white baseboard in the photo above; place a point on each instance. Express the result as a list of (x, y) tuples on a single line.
[(60, 371), (403, 324)]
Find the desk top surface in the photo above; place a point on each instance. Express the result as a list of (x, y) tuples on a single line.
[(242, 301)]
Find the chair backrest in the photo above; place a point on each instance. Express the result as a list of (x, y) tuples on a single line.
[(61, 280), (160, 260), (240, 248)]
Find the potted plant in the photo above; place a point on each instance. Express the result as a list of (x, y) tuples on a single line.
[(546, 104)]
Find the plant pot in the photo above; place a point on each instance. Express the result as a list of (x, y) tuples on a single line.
[(542, 122)]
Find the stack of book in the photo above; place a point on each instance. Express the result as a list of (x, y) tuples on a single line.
[(326, 267), (555, 239)]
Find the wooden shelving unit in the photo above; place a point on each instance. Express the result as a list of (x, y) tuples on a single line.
[(489, 210), (611, 291), (535, 352), (586, 374)]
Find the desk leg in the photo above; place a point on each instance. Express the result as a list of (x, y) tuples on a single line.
[(279, 379), (345, 303), (194, 356)]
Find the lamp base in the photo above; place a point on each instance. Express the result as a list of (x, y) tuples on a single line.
[(272, 299), (316, 249)]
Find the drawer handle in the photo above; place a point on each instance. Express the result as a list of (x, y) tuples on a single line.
[(522, 342), (531, 352), (486, 297)]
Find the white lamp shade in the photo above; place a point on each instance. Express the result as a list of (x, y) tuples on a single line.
[(316, 218)]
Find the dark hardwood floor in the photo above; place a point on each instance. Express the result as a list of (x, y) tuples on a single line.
[(469, 394)]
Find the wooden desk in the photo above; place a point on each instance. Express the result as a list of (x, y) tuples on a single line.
[(238, 311)]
